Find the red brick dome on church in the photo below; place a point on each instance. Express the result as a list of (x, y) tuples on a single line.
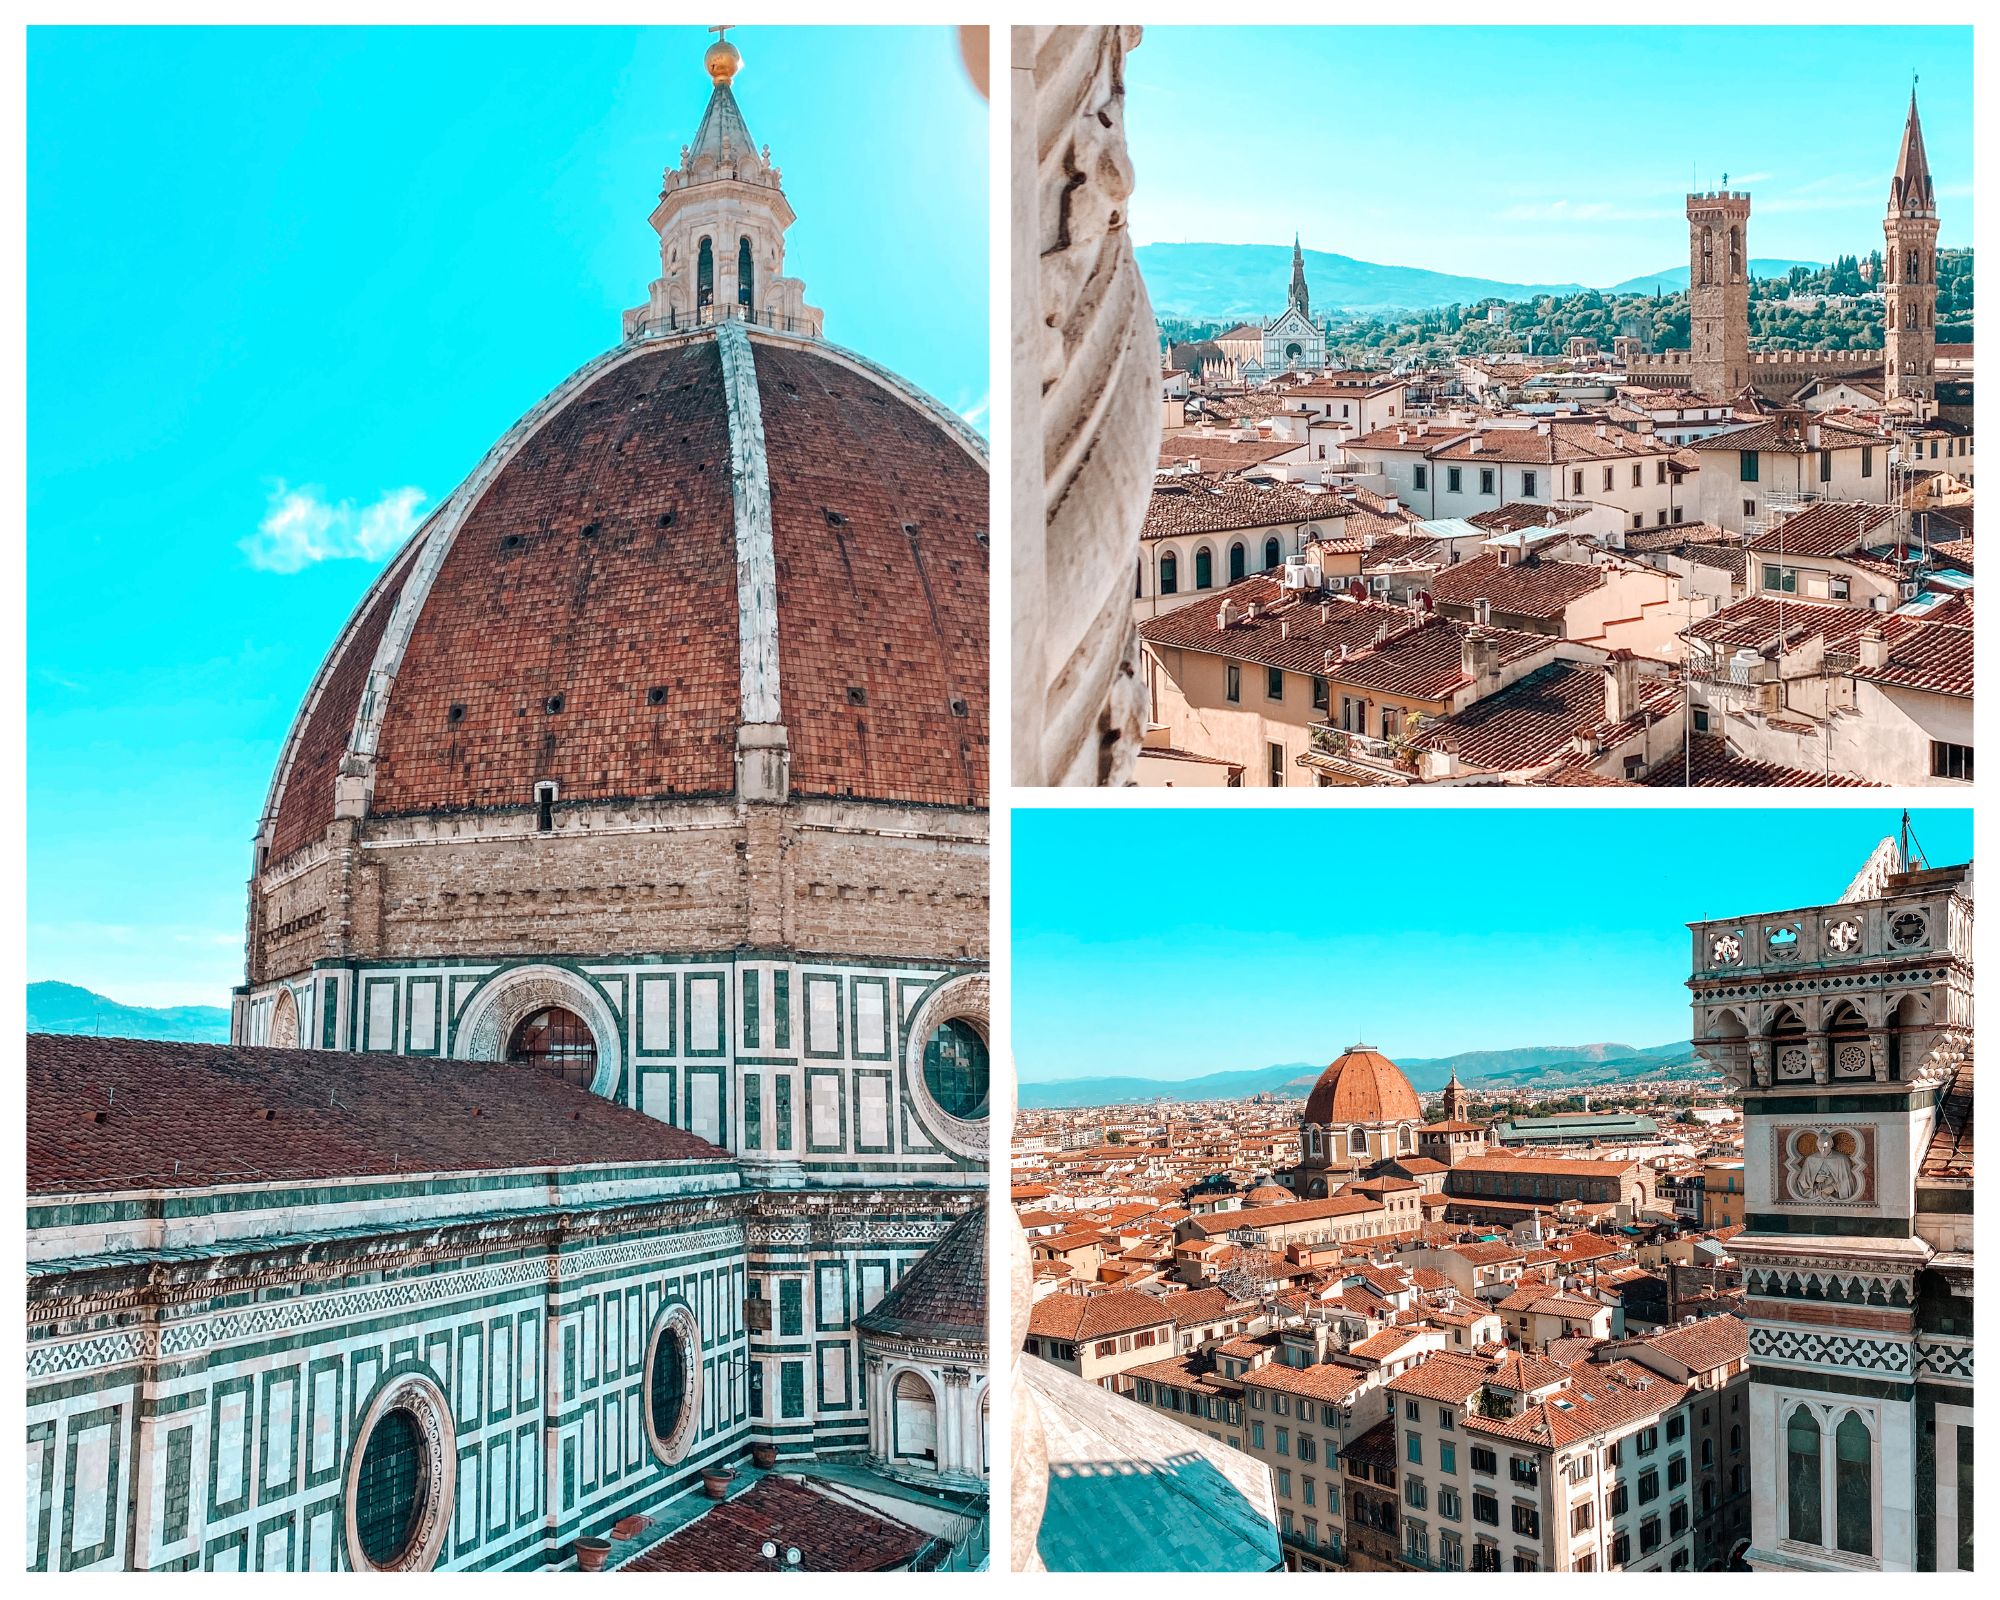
[(1362, 1085), (575, 613)]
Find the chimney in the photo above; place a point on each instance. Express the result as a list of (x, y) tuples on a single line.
[(1285, 629), (1479, 660), (1482, 612), (1225, 614), (1325, 611), (1402, 436), (1874, 649), (1621, 685), (1475, 444), (1194, 463)]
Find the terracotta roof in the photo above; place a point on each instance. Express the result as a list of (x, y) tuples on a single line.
[(1300, 1212), (1417, 656), (1517, 515), (1954, 553), (1546, 1166), (1949, 1154), (1825, 528), (1362, 1085), (1199, 503), (1323, 1380), (1075, 1318), (1530, 588), (1756, 624), (187, 1116), (830, 1535), (1532, 720), (1704, 1345), (943, 1295), (1217, 453), (1449, 1375), (1711, 764), (1564, 443), (1596, 1399), (1788, 433), (1933, 657)]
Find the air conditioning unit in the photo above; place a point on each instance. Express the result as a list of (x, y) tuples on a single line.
[(1301, 575)]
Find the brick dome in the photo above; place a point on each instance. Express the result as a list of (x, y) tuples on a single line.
[(1362, 1085), (719, 528)]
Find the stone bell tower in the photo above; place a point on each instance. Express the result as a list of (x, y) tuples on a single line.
[(1909, 272), (1719, 292), (1847, 1030), (721, 219)]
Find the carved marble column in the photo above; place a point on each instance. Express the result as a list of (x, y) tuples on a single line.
[(1085, 411)]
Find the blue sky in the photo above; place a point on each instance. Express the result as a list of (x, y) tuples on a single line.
[(1172, 943), (1538, 154), (285, 288)]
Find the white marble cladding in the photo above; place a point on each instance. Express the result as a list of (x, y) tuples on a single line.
[(226, 1447), (95, 1225), (775, 1058), (1779, 942)]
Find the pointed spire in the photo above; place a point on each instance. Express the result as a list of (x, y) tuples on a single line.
[(1910, 191), (1298, 295)]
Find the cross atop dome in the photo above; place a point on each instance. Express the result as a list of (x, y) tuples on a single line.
[(722, 217)]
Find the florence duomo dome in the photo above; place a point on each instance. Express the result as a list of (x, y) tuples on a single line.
[(604, 1122), (686, 681)]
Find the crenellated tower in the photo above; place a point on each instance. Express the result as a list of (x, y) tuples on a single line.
[(1909, 272), (1719, 291)]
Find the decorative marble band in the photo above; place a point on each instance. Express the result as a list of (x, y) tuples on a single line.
[(1951, 1360), (1891, 1356), (201, 1333)]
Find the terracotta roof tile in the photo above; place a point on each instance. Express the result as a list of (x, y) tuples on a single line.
[(182, 1116), (1530, 588), (830, 1535)]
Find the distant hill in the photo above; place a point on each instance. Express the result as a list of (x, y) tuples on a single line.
[(66, 1008), (1671, 280), (1541, 1067), (1250, 280)]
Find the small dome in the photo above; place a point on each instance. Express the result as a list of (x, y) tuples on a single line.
[(1363, 1085), (1269, 1194)]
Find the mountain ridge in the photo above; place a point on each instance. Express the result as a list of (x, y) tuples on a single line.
[(55, 1007), (1209, 280), (1553, 1067)]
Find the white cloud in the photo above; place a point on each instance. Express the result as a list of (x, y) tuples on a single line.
[(301, 527)]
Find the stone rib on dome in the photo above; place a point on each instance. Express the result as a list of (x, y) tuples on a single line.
[(592, 561), (1362, 1085)]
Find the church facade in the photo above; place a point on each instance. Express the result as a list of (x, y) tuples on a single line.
[(651, 775), (1292, 341), (1847, 1029)]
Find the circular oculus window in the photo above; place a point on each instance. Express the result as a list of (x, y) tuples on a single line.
[(400, 1479)]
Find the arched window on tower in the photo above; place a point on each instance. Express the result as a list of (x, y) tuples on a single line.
[(1916, 266), (1357, 1141), (1707, 255), (704, 274), (1735, 254), (746, 278), (1802, 1477), (1853, 1481)]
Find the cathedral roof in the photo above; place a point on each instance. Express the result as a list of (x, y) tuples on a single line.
[(943, 1295), (1362, 1085), (119, 1114), (1910, 190), (577, 612)]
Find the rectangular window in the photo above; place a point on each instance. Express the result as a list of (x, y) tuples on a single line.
[(1319, 694), (1836, 589), (1448, 1504), (1485, 480), (1484, 1460), (1746, 466), (1576, 482), (1415, 1494), (1420, 476), (1952, 761), (1256, 1436), (1867, 461), (1527, 1522), (1412, 1410), (1485, 1507), (1677, 1471), (1413, 1450), (781, 1002), (1607, 480), (1284, 1441), (1447, 1456), (1649, 1536), (1826, 466), (1637, 469), (1649, 1485), (752, 1032), (1232, 686), (753, 1112), (1582, 1517), (791, 1308), (1277, 766), (1524, 1469), (1284, 1483), (1621, 1549), (1274, 683), (1620, 1497), (782, 1107), (1453, 478), (792, 1389), (1527, 486)]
